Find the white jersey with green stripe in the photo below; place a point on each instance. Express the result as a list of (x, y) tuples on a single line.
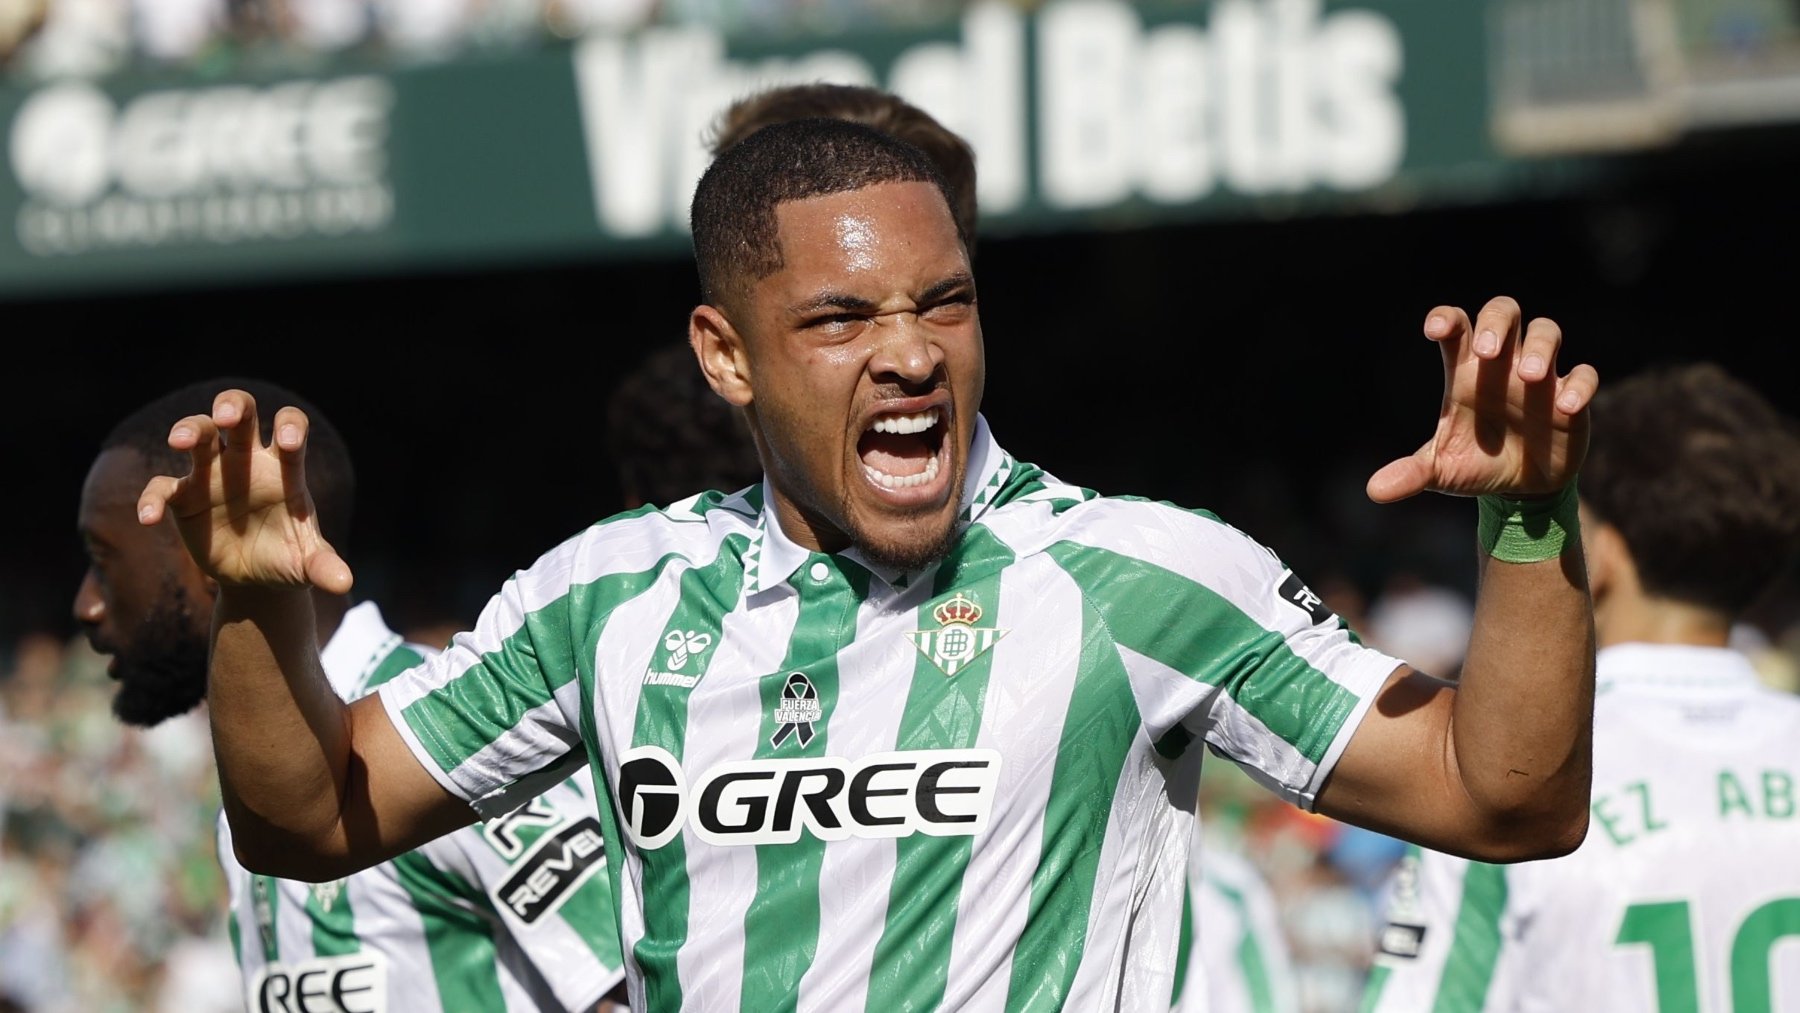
[(509, 916), (1683, 898), (1238, 960), (839, 788)]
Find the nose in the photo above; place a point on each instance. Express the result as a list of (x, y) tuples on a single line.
[(90, 604), (906, 355)]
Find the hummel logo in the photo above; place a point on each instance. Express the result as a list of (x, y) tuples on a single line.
[(684, 644)]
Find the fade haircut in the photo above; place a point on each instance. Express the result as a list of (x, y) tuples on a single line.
[(872, 107), (733, 213), (1701, 476), (671, 436), (330, 476)]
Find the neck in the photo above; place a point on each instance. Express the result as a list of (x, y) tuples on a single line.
[(1647, 620)]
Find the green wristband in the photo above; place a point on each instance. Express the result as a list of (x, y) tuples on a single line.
[(1528, 530)]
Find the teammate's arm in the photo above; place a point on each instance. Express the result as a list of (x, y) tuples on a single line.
[(1495, 767), (314, 789)]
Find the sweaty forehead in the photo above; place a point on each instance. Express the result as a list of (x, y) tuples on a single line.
[(887, 228)]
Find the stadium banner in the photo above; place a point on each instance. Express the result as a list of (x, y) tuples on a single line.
[(1085, 114)]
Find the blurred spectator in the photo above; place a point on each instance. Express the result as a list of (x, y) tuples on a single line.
[(1426, 624), (19, 20), (76, 38), (110, 895), (88, 38), (422, 27), (577, 17), (175, 30), (329, 25)]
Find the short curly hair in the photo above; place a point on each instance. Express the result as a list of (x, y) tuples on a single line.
[(1700, 474), (872, 107)]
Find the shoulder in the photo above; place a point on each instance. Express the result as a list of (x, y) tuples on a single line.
[(1072, 521), (688, 527), (640, 543)]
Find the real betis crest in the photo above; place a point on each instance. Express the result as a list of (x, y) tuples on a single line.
[(957, 640), (327, 893)]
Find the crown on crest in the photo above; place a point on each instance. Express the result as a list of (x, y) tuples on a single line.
[(959, 609)]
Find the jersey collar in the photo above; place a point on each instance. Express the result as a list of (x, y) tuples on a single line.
[(1651, 667), (772, 556)]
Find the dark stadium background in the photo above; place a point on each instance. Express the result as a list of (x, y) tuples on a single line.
[(1259, 368)]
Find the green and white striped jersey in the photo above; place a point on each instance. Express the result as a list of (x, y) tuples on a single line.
[(1238, 959), (837, 788), (511, 915), (1685, 895)]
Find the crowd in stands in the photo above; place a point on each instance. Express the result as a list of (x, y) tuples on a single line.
[(111, 897), (42, 39), (111, 900)]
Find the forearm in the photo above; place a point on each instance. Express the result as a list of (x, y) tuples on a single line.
[(279, 731), (1522, 720)]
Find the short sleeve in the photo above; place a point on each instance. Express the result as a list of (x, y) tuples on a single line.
[(494, 717), (1223, 642)]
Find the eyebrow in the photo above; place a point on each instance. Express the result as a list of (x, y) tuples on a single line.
[(857, 304), (834, 301), (960, 279)]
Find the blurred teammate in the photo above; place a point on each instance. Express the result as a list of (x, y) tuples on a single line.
[(913, 723), (1237, 959), (670, 436), (1686, 894), (513, 915)]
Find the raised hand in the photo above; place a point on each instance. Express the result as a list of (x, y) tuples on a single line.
[(244, 510), (1508, 424)]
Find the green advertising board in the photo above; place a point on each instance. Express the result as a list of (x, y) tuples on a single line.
[(1085, 114)]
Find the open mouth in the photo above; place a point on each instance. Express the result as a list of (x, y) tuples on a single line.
[(903, 451)]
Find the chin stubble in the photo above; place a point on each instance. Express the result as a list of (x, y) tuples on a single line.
[(910, 557), (162, 672)]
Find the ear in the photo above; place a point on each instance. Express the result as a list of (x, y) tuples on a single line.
[(723, 357)]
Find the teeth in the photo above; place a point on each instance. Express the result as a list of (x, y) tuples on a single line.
[(906, 423), (888, 481)]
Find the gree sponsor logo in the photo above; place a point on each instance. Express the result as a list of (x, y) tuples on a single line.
[(205, 165), (354, 983), (937, 792)]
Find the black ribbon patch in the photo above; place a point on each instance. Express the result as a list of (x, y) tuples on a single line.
[(798, 709)]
